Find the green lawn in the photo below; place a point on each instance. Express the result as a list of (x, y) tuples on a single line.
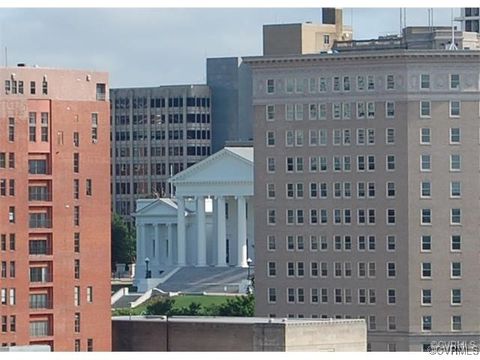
[(180, 301)]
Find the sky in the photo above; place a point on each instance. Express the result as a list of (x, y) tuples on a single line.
[(165, 46)]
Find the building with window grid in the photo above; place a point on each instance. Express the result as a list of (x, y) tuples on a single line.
[(367, 186), (54, 209), (156, 132)]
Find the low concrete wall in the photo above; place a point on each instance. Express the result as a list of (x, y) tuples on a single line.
[(240, 334)]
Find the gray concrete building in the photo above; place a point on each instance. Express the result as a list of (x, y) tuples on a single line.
[(367, 186), (470, 19), (156, 132), (202, 333), (231, 83)]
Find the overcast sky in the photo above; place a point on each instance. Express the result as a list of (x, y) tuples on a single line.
[(150, 47)]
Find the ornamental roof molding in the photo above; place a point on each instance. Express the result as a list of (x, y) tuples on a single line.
[(363, 55)]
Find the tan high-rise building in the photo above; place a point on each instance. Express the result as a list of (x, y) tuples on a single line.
[(54, 209), (366, 188)]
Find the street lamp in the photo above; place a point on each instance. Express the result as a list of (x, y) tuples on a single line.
[(249, 286), (249, 263), (147, 271)]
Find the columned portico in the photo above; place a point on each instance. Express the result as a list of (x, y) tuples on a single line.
[(241, 232), (201, 232), (158, 242), (181, 242), (221, 232)]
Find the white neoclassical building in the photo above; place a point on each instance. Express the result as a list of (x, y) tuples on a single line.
[(209, 222)]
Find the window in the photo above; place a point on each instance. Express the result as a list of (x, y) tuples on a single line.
[(271, 242), (424, 81), (270, 165), (77, 345), (390, 82), (426, 216), (455, 243), (390, 189), (298, 111), (290, 295), (89, 345), (44, 126), (391, 240), (76, 268), (454, 135), (455, 162), (426, 323), (454, 81), (77, 323), (390, 162), (76, 162), (456, 270), (455, 216), (390, 109), (88, 187), (454, 108), (44, 87), (32, 126), (76, 296), (270, 86), (11, 129), (425, 162), (456, 323), (456, 297), (391, 325), (390, 136), (391, 216), (270, 138), (271, 216), (270, 112), (426, 270), (391, 296), (11, 214), (272, 268), (372, 297), (32, 87), (338, 296), (272, 295), (425, 136), (76, 215), (76, 188), (426, 297), (425, 109), (391, 270), (426, 189), (76, 242), (362, 296), (370, 82), (94, 128), (13, 323), (426, 243)]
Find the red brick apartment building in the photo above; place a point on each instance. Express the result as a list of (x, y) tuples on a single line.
[(54, 209)]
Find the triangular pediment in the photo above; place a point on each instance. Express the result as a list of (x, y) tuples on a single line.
[(156, 207), (225, 166)]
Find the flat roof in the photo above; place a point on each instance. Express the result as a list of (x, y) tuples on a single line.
[(232, 319)]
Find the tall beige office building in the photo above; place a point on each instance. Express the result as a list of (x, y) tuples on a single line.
[(367, 186)]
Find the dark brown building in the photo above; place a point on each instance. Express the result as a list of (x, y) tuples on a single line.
[(54, 209)]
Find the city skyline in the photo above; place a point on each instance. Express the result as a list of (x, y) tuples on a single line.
[(59, 37)]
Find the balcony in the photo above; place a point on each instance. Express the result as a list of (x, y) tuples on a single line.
[(39, 221), (40, 275), (39, 248), (40, 302), (40, 328), (37, 193)]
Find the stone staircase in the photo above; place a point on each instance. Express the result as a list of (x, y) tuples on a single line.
[(205, 279)]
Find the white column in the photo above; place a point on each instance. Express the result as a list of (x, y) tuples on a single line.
[(169, 244), (241, 232), (140, 246), (181, 248), (221, 232), (201, 235), (158, 252)]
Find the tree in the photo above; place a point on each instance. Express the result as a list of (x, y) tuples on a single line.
[(238, 306), (122, 242), (164, 306)]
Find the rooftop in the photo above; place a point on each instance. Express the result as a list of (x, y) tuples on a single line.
[(234, 320)]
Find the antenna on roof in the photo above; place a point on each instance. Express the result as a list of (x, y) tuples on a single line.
[(452, 45)]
